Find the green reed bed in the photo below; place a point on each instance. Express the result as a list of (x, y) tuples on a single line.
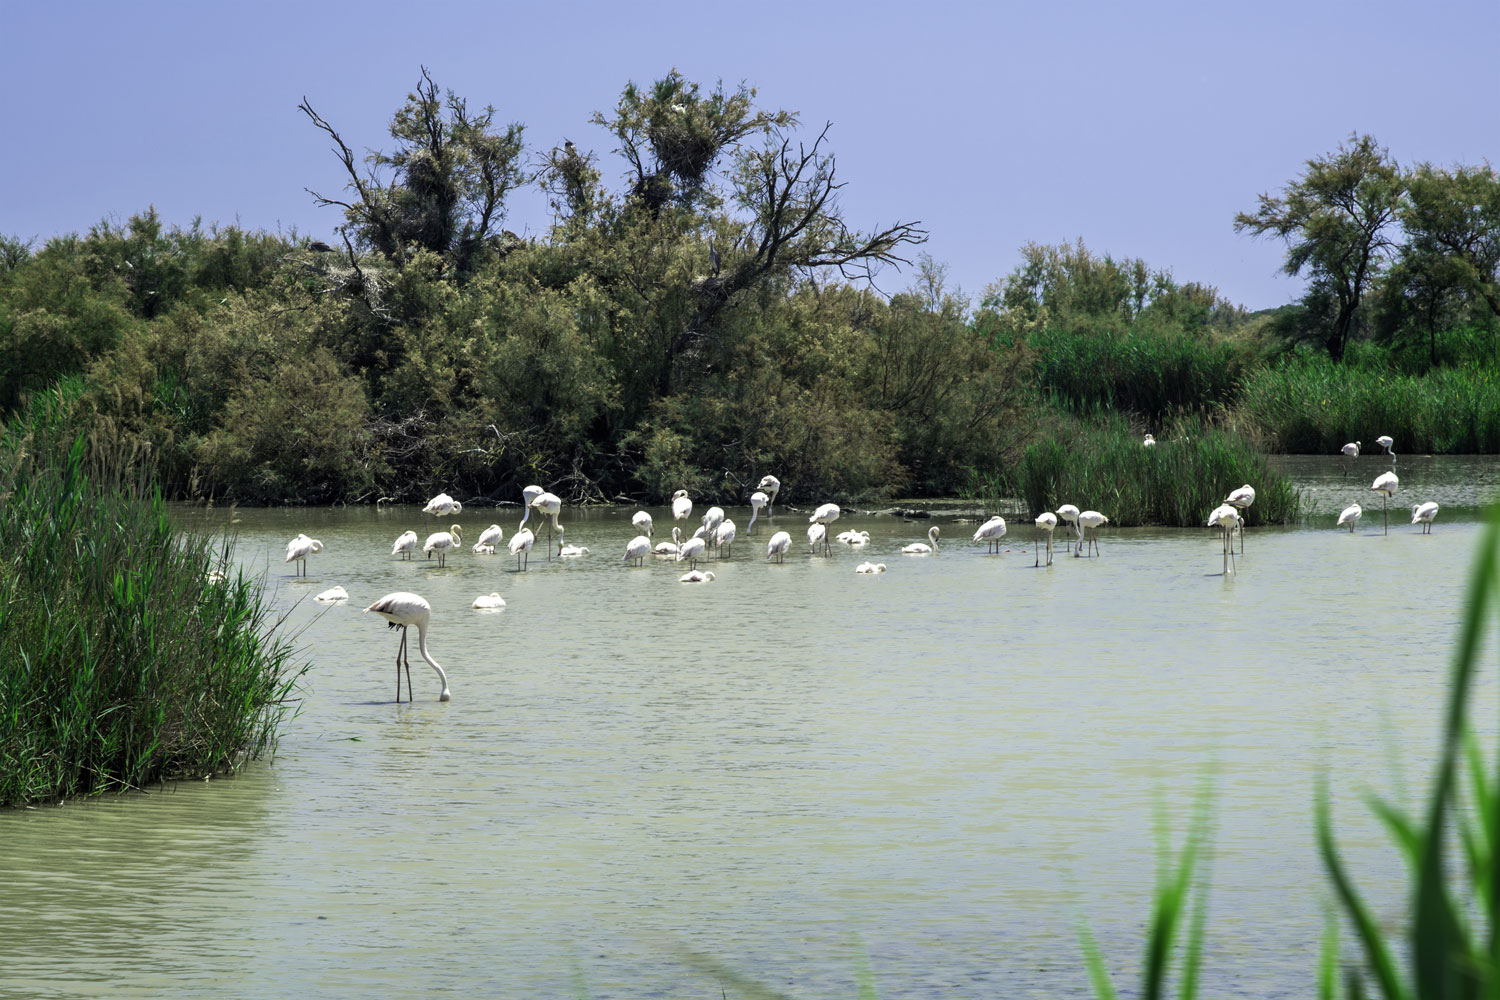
[(1103, 465), (1315, 406), (122, 662)]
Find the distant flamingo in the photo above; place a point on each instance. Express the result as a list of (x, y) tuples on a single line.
[(1069, 513), (299, 548), (1226, 518), (1350, 450), (400, 610), (549, 504), (825, 515), (923, 548), (1045, 522), (1423, 513), (697, 576), (1388, 443), (406, 544), (529, 494), (1385, 484), (441, 541), (869, 567), (1350, 516), (772, 486), (442, 505), (1241, 499), (777, 547), (990, 532), (571, 551)]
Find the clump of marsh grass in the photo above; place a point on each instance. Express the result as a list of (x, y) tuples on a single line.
[(128, 653), (1102, 464)]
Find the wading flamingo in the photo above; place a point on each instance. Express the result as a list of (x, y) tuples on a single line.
[(549, 504), (401, 610), (724, 538), (682, 506), (1385, 484), (637, 549), (299, 548), (693, 549), (1088, 523), (1045, 522), (825, 515), (1350, 450), (1350, 516), (642, 522), (817, 534), (521, 542), (442, 505), (1241, 499), (489, 538), (1423, 513), (529, 494), (772, 486), (1226, 518), (406, 544), (1069, 513), (990, 532), (1388, 443), (441, 541), (777, 547), (758, 501)]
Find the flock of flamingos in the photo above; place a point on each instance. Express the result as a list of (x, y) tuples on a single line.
[(717, 533)]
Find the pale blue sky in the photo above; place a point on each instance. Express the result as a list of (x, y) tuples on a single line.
[(1140, 127)]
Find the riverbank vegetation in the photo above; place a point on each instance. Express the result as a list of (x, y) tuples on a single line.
[(698, 315), (127, 656)]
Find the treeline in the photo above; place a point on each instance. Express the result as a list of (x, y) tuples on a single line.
[(699, 324)]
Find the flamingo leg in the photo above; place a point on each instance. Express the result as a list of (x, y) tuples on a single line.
[(1385, 511), (399, 650)]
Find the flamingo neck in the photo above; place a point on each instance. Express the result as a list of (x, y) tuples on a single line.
[(422, 648)]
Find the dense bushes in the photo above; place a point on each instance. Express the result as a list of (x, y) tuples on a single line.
[(121, 661)]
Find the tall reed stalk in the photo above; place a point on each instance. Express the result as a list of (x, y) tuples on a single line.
[(123, 662)]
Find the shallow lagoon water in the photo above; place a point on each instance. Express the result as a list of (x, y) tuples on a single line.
[(935, 772)]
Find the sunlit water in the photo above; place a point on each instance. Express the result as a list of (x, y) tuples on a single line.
[(935, 773)]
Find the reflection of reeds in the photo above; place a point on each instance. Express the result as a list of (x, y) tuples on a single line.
[(128, 653), (1101, 464)]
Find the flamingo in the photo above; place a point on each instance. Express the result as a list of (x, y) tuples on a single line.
[(571, 551), (817, 534), (778, 545), (682, 507), (670, 548), (1423, 513), (401, 610), (1241, 499), (490, 601), (442, 505), (758, 501), (529, 494), (825, 515), (1385, 484), (852, 537), (1088, 524), (1150, 442), (923, 548), (1350, 450), (693, 549), (489, 538), (441, 541), (1387, 442), (1226, 518), (1069, 513), (484, 550), (696, 576), (869, 567), (991, 532), (551, 505), (724, 537), (712, 518), (299, 548), (520, 542), (1045, 522), (335, 594), (637, 549), (406, 544), (772, 486), (642, 522), (1350, 516)]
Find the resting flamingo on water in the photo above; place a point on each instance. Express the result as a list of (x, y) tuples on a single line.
[(990, 532), (299, 548), (441, 541), (778, 546), (869, 567), (400, 610), (1045, 522), (923, 548), (670, 548), (697, 576), (488, 602), (406, 544)]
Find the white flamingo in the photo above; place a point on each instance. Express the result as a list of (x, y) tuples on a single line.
[(406, 544), (401, 610), (670, 548), (637, 549), (299, 548), (1045, 522), (1088, 524), (825, 515), (817, 534), (441, 541), (778, 546), (1423, 513), (549, 504), (682, 507), (1226, 518), (528, 494), (1069, 513), (772, 486), (758, 501), (869, 567), (442, 505), (488, 601), (1385, 484), (1350, 516), (724, 538), (1150, 442), (571, 551), (521, 542), (1241, 499), (1350, 450), (693, 549), (489, 538), (642, 522), (697, 576), (852, 537), (990, 532), (334, 594), (1388, 443), (923, 548), (484, 550)]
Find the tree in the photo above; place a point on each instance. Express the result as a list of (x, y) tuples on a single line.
[(449, 177), (1337, 221), (1452, 221)]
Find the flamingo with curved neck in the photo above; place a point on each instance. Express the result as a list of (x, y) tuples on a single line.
[(400, 610)]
